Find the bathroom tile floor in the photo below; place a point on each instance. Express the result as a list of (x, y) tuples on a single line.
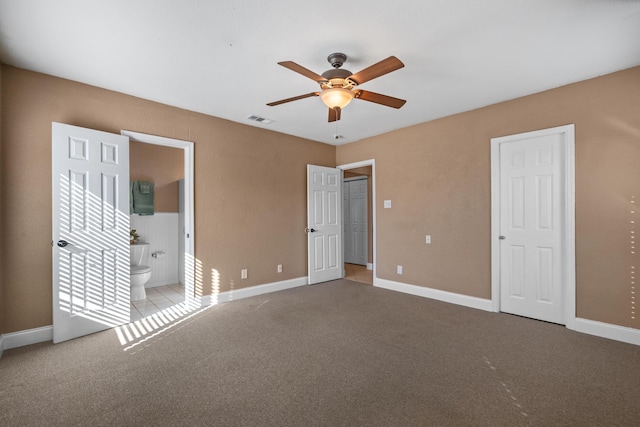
[(158, 299)]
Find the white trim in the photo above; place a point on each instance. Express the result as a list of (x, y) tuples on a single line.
[(354, 178), (569, 273), (585, 326), (369, 266), (26, 337), (159, 283), (436, 294), (607, 330), (364, 163), (189, 205), (252, 291)]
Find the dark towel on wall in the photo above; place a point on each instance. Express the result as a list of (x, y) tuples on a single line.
[(142, 197)]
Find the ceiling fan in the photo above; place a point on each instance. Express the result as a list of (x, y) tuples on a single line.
[(338, 86)]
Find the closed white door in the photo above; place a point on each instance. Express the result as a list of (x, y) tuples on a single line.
[(324, 223), (356, 221), (531, 237), (90, 219)]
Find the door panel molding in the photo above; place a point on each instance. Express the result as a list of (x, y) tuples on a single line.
[(567, 132), (324, 224), (90, 244)]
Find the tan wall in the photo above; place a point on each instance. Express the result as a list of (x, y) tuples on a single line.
[(367, 171), (250, 188), (162, 165), (1, 211), (437, 175)]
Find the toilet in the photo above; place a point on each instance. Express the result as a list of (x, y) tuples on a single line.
[(140, 271)]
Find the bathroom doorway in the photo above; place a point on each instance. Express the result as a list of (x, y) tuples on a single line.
[(169, 163)]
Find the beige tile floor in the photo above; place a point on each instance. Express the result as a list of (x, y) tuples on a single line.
[(158, 299), (358, 273)]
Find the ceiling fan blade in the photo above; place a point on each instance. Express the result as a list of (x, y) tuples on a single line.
[(388, 101), (334, 114), (304, 71), (376, 70), (295, 98)]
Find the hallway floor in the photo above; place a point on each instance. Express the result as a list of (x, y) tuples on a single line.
[(158, 299), (358, 273)]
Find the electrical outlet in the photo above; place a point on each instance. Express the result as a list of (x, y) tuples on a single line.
[(243, 273), (387, 204), (279, 268), (427, 239), (399, 269)]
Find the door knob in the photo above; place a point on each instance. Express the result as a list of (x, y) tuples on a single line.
[(72, 248), (310, 230), (501, 237)]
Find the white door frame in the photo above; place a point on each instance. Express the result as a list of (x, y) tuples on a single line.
[(361, 164), (189, 224), (568, 257)]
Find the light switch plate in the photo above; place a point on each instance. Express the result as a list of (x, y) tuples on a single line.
[(427, 239), (387, 204)]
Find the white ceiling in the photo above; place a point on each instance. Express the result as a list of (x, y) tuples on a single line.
[(220, 57)]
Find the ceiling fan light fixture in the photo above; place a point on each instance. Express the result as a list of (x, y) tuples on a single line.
[(336, 97)]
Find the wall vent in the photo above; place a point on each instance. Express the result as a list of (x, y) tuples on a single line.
[(259, 119)]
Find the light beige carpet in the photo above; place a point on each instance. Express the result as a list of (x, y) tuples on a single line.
[(334, 354)]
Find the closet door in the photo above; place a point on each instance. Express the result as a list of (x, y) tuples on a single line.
[(357, 226)]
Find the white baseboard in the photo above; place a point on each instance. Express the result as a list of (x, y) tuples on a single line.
[(607, 330), (591, 327), (45, 333), (369, 266), (421, 291), (253, 291), (26, 337), (161, 283)]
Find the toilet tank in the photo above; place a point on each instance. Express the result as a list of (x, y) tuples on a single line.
[(139, 254)]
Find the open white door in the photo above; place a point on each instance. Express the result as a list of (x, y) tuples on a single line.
[(324, 219), (90, 180)]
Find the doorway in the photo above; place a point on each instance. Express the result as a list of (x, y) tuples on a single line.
[(533, 224), (168, 293), (361, 270)]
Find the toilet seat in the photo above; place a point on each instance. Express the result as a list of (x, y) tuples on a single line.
[(140, 269)]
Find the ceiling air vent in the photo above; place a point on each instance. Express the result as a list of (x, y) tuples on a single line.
[(259, 119)]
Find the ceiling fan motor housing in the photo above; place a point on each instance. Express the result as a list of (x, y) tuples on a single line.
[(337, 59), (336, 78)]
